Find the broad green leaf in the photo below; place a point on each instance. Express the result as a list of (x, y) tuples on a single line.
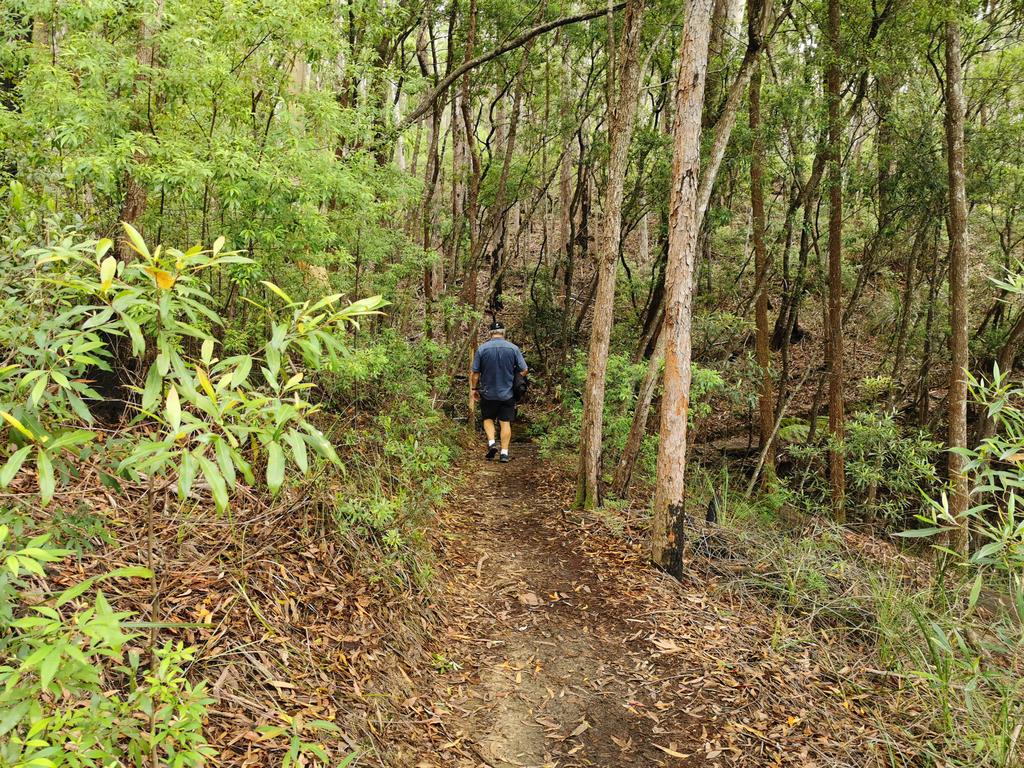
[(207, 351), (241, 372), (186, 474), (31, 565), (37, 391), (44, 471), (275, 468), (135, 241), (298, 446), (975, 591), (71, 438), (48, 667), (79, 407), (135, 332), (13, 715), (324, 725), (987, 551), (13, 465), (218, 487), (151, 392), (224, 460), (72, 592), (920, 532), (173, 409), (320, 444)]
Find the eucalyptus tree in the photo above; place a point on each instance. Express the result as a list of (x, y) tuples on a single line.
[(623, 74), (667, 532), (958, 318)]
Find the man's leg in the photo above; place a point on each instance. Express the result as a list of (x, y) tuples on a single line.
[(506, 438), (492, 447)]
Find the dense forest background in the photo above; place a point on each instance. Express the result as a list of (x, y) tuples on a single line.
[(763, 259)]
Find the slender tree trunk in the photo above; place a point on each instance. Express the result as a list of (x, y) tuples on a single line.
[(906, 302), (622, 105), (836, 414), (668, 524), (766, 406), (958, 497), (638, 427), (924, 380), (133, 206), (886, 89)]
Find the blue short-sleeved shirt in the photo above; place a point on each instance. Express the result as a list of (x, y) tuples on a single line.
[(497, 361)]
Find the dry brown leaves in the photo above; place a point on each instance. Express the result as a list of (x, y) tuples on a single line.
[(293, 624)]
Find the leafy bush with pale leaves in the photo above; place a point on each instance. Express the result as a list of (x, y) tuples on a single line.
[(71, 693)]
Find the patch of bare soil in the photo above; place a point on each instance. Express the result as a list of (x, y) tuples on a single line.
[(562, 647), (557, 664)]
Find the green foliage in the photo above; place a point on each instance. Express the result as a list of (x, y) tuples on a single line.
[(193, 415), (888, 467), (621, 381), (395, 453), (72, 691), (996, 469), (301, 746), (212, 416), (562, 433), (216, 127)]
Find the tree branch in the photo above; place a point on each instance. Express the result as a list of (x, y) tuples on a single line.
[(512, 44)]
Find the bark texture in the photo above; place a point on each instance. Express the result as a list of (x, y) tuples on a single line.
[(623, 118), (836, 409), (957, 222), (766, 407), (133, 206), (638, 427), (667, 533)]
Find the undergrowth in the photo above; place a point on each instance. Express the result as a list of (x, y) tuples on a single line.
[(116, 377), (947, 636)]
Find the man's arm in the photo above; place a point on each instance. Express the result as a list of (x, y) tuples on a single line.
[(474, 384)]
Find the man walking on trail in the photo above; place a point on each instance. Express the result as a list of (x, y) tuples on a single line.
[(495, 366)]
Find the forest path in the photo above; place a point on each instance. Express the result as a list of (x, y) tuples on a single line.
[(565, 645)]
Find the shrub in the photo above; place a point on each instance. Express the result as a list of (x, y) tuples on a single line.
[(887, 467), (73, 691)]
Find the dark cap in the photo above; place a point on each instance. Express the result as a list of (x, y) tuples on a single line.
[(496, 326)]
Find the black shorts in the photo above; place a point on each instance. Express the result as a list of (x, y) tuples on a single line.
[(499, 410)]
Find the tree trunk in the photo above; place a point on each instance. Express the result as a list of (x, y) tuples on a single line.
[(836, 415), (958, 501), (622, 106), (907, 302), (638, 428), (761, 266), (667, 532), (135, 194)]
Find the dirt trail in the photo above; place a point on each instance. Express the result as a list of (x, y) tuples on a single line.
[(557, 664), (559, 646)]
